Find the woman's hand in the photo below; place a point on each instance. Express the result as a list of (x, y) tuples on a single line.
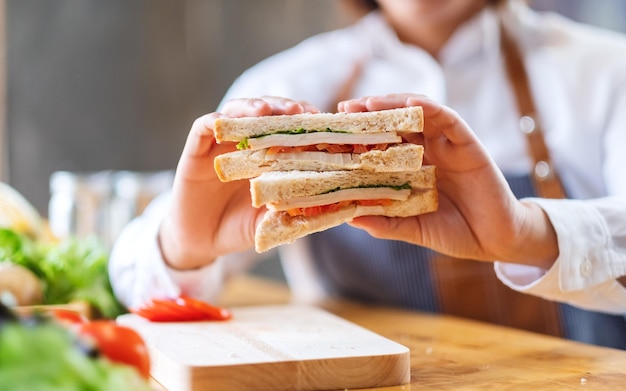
[(209, 218), (478, 215)]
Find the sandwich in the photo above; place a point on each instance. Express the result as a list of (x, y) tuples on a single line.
[(303, 202), (368, 141), (316, 171)]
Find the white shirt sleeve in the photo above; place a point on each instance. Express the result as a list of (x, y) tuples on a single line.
[(592, 255), (139, 273)]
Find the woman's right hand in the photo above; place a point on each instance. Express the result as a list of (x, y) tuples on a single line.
[(207, 217)]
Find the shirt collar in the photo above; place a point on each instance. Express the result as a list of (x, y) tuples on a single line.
[(380, 35), (477, 37)]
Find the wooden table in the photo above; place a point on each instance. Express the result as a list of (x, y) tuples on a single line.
[(449, 353)]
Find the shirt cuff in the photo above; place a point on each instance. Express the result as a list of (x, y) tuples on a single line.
[(585, 272), (138, 271), (586, 256)]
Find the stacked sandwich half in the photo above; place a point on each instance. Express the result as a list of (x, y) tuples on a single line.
[(317, 171)]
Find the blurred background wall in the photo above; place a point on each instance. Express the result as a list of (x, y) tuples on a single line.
[(109, 85)]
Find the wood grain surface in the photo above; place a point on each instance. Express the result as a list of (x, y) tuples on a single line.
[(276, 347), (449, 353)]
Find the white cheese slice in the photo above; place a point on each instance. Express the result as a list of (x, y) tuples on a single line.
[(370, 193), (299, 140), (325, 157)]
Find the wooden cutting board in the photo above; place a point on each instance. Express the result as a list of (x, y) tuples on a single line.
[(280, 347)]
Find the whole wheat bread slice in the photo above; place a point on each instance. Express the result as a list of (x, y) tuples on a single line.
[(283, 185), (409, 119), (279, 227), (247, 164)]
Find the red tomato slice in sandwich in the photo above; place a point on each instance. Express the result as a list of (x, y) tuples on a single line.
[(360, 148), (316, 210)]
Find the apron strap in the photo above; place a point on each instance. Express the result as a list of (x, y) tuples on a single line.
[(545, 177), (470, 288)]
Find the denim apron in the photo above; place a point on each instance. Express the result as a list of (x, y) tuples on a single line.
[(356, 266)]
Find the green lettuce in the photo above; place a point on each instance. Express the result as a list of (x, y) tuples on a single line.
[(74, 269), (46, 357)]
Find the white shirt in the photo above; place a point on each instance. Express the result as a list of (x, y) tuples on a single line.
[(578, 78)]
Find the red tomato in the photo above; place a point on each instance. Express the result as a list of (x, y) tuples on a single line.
[(181, 309), (360, 148), (321, 146), (68, 317), (337, 206), (209, 311), (316, 210), (275, 150), (338, 148), (380, 147), (312, 211), (294, 212), (119, 344)]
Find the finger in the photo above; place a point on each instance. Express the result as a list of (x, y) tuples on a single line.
[(383, 102), (393, 101), (442, 120), (382, 227), (200, 148), (247, 107), (439, 119), (357, 105), (347, 88), (281, 105), (201, 137), (308, 107)]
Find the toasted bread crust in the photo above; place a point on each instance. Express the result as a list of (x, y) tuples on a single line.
[(249, 164), (280, 186), (409, 119)]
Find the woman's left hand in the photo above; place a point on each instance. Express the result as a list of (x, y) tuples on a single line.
[(478, 216)]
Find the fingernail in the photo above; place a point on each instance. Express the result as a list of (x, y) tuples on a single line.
[(293, 107)]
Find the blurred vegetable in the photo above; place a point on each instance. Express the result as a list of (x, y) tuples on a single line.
[(70, 270), (181, 309), (19, 285), (119, 344), (37, 353), (68, 318), (6, 316), (19, 214)]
